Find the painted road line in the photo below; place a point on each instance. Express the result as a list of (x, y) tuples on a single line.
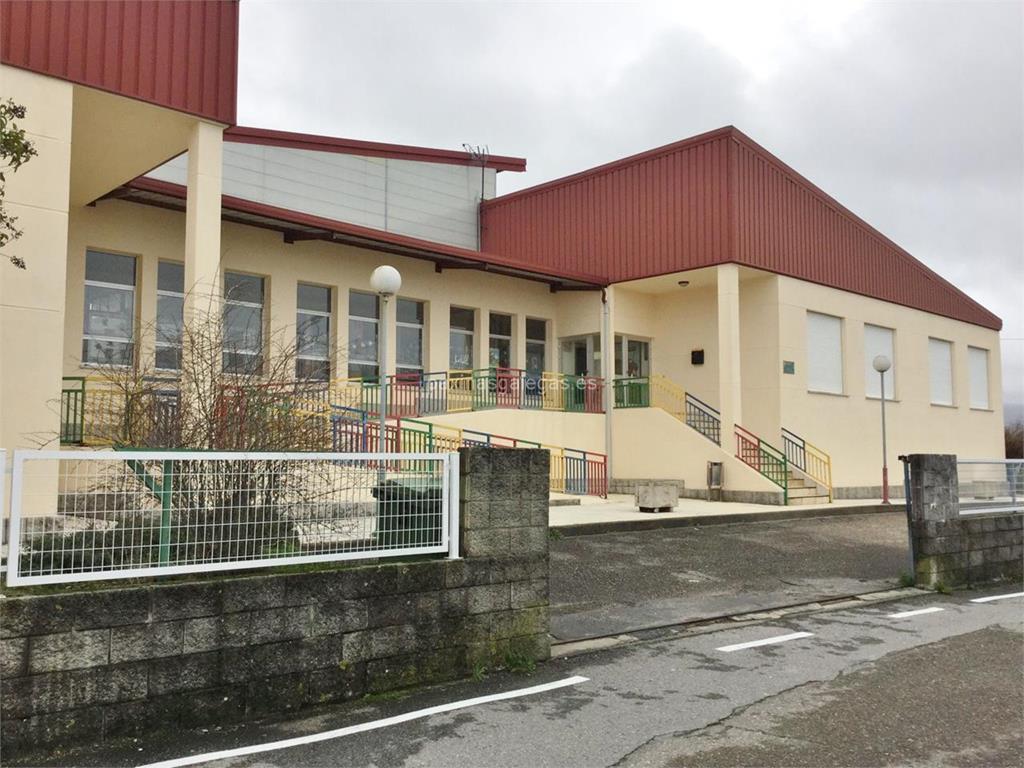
[(918, 612), (990, 598), (373, 725), (766, 641)]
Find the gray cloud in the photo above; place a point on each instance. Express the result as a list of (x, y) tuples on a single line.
[(910, 114)]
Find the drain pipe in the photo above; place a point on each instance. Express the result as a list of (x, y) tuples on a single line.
[(608, 369)]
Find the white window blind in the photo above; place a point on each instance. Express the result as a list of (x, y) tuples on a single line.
[(940, 371), (977, 368), (824, 353), (878, 341)]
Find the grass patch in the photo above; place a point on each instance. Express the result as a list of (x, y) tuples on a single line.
[(943, 588), (554, 534), (907, 579), (519, 663)]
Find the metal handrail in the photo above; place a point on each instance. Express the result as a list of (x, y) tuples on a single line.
[(809, 459), (763, 457)]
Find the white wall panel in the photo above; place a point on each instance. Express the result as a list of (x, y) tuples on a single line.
[(431, 201)]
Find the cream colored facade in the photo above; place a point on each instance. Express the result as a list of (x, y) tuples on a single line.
[(759, 318), (749, 328)]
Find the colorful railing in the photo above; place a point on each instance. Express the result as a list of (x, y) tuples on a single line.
[(763, 457), (436, 393), (632, 392), (693, 412), (572, 470), (72, 410), (809, 459)]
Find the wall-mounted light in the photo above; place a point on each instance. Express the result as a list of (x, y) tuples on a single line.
[(683, 283)]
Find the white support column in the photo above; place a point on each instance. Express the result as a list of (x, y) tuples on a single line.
[(608, 372), (729, 383), (203, 285)]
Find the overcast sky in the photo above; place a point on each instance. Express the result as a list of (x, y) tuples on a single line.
[(910, 114)]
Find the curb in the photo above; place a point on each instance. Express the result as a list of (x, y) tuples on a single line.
[(705, 624), (696, 521)]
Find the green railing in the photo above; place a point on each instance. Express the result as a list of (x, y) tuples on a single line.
[(763, 457), (632, 392), (72, 410)]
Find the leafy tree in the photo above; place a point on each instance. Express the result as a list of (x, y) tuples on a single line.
[(15, 151)]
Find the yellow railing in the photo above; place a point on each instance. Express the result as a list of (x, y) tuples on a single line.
[(668, 396), (809, 459)]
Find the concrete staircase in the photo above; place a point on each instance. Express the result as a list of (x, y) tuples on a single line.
[(804, 491)]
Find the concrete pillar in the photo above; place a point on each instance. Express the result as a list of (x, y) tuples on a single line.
[(730, 392), (482, 339), (203, 280), (518, 341), (607, 369), (438, 316)]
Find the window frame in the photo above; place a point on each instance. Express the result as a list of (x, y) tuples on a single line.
[(299, 312), (949, 347), (260, 355), (405, 368), (871, 377), (130, 288), (163, 293), (841, 357), (462, 332), (970, 378), (491, 336), (375, 321)]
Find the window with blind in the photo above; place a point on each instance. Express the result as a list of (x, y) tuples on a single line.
[(940, 371), (878, 341), (363, 322), (243, 323), (109, 324), (977, 369), (824, 353), (313, 332)]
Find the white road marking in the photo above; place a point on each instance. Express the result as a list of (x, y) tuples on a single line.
[(918, 612), (990, 598), (766, 641), (373, 725)]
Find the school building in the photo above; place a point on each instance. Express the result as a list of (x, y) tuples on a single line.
[(699, 302)]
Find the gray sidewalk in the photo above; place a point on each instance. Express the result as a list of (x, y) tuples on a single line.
[(616, 582)]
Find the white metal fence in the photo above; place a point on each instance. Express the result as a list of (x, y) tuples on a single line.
[(83, 516), (991, 486)]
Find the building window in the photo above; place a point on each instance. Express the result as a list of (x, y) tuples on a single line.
[(460, 338), (824, 353), (536, 345), (363, 327), (409, 333), (170, 317), (977, 369), (243, 323), (109, 324), (878, 341), (635, 353), (313, 333), (940, 371), (500, 346)]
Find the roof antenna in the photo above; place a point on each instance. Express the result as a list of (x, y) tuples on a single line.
[(480, 154)]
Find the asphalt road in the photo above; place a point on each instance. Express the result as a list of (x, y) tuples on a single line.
[(864, 689), (617, 582)]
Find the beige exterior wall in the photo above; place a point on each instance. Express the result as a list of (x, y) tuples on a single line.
[(847, 426), (152, 234), (32, 301)]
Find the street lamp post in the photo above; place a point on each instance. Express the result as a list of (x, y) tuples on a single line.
[(882, 364), (386, 282)]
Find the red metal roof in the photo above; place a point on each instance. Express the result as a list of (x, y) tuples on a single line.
[(712, 199), (182, 55), (302, 226), (243, 135)]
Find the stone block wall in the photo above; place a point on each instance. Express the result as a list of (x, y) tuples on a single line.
[(957, 550), (86, 664)]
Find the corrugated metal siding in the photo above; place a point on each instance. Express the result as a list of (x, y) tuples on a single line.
[(426, 200), (663, 213), (712, 199), (181, 55), (786, 225)]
